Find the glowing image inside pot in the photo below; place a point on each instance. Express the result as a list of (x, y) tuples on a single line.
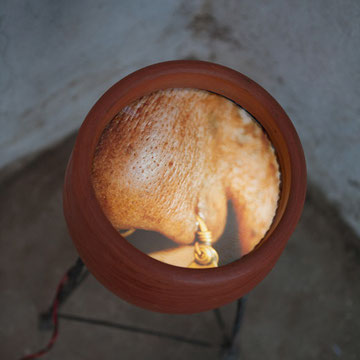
[(173, 162)]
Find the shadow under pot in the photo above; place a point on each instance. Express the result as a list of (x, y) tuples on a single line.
[(184, 185)]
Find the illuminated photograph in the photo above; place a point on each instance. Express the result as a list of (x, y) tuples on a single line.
[(188, 177)]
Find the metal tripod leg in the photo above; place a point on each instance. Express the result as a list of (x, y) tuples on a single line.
[(77, 274), (229, 349)]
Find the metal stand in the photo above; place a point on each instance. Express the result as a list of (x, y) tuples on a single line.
[(78, 273)]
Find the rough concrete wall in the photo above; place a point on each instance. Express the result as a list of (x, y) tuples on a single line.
[(57, 58)]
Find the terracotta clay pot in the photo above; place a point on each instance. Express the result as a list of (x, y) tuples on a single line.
[(133, 275)]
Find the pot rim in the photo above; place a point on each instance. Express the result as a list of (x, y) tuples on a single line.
[(132, 274)]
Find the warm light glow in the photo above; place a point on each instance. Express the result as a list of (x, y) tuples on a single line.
[(170, 161)]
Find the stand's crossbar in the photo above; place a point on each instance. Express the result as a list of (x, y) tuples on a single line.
[(78, 273), (136, 330)]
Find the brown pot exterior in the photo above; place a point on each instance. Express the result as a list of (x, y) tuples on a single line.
[(133, 275)]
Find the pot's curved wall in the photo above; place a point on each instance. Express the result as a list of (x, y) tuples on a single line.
[(57, 58)]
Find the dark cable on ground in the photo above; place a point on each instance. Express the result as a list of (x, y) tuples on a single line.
[(50, 319), (55, 321)]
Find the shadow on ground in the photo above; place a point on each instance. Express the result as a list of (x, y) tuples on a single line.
[(307, 308)]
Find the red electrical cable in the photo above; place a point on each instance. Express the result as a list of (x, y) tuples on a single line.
[(55, 319)]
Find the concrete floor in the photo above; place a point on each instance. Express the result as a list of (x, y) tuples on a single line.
[(307, 308)]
